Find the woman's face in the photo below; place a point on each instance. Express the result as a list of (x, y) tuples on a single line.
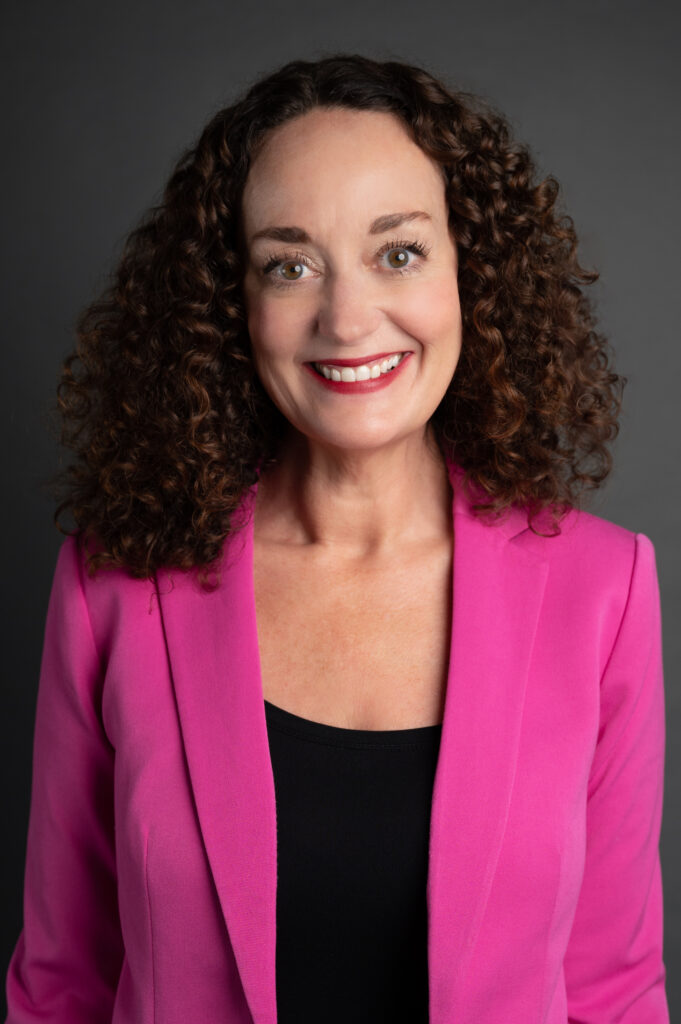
[(340, 270)]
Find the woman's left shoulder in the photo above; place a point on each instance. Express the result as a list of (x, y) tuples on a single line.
[(594, 555), (587, 536)]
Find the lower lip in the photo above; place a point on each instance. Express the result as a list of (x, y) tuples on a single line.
[(359, 387)]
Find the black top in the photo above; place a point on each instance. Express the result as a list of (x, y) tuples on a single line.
[(353, 822)]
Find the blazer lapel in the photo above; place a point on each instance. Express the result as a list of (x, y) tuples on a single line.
[(498, 586), (213, 653), (215, 665)]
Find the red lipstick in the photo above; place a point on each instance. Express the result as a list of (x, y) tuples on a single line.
[(358, 387)]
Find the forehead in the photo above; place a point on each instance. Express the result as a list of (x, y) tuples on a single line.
[(331, 164)]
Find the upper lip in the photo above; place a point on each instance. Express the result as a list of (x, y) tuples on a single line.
[(362, 361)]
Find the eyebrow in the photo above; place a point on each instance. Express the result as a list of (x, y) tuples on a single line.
[(300, 237)]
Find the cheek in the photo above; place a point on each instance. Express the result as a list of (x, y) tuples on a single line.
[(274, 327), (432, 315)]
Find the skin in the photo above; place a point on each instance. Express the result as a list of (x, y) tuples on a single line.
[(360, 475)]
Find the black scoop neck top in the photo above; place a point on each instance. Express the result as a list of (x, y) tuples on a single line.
[(353, 823)]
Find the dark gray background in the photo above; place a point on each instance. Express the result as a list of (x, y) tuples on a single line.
[(100, 99)]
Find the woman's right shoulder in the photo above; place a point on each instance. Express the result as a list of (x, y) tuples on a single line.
[(73, 566), (109, 593)]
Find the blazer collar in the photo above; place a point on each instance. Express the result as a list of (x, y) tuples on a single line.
[(211, 637)]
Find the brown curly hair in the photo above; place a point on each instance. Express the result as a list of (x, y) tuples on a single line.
[(160, 400)]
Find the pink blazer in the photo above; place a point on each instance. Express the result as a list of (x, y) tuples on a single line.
[(151, 871)]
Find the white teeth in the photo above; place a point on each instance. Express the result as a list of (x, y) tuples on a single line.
[(349, 374)]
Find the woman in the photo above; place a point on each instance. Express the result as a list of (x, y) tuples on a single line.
[(347, 375)]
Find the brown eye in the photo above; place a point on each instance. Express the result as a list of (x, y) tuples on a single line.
[(398, 258), (296, 267)]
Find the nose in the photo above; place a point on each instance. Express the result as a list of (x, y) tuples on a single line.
[(348, 310)]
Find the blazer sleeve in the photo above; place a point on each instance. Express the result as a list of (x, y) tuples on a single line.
[(614, 969), (67, 961)]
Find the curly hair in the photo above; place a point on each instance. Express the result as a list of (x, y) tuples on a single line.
[(160, 399)]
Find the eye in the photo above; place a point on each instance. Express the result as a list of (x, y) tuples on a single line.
[(296, 266), (292, 261), (288, 269), (402, 260), (397, 250)]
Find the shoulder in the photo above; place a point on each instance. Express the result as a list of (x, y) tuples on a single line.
[(587, 544), (72, 571), (605, 569), (585, 535), (593, 544), (111, 598)]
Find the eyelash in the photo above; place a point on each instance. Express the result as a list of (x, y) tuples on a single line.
[(274, 260)]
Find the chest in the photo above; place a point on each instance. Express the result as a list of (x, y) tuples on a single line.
[(360, 647)]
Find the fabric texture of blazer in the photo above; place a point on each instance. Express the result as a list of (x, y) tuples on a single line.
[(151, 867)]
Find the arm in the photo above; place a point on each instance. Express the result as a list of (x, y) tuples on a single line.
[(68, 957), (613, 965)]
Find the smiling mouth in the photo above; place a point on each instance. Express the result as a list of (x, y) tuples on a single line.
[(366, 371)]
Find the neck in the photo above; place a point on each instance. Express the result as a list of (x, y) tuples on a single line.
[(356, 503)]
